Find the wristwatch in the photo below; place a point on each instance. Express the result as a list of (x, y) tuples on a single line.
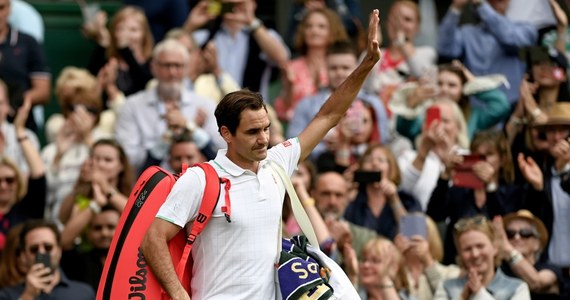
[(255, 25)]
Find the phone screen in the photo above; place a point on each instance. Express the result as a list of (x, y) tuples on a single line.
[(411, 225), (45, 259), (367, 177), (433, 113)]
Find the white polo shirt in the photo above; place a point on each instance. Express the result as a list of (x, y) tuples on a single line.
[(235, 260)]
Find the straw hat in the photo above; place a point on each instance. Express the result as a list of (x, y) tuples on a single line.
[(558, 114), (529, 217)]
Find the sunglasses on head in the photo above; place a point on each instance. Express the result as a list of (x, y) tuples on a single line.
[(465, 223), (523, 233), (8, 180), (34, 249)]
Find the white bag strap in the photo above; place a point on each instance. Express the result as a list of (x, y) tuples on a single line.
[(296, 206)]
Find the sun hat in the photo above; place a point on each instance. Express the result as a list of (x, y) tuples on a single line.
[(529, 217)]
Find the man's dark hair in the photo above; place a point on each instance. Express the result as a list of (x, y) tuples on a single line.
[(183, 137), (35, 224), (228, 112), (342, 47)]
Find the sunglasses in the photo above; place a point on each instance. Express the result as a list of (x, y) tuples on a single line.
[(34, 249), (8, 180), (523, 233), (465, 223)]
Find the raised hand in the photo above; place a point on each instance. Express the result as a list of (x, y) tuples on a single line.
[(531, 171), (373, 52), (484, 171)]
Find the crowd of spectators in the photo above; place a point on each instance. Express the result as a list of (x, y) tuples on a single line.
[(462, 139)]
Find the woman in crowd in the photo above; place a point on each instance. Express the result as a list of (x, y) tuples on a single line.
[(422, 261), (453, 82), (305, 75), (478, 254), (363, 124), (379, 205), (71, 133), (420, 169), (128, 51), (522, 237), (106, 179), (401, 61), (21, 200), (496, 194), (381, 275), (13, 268)]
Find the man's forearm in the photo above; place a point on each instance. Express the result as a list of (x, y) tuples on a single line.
[(157, 257)]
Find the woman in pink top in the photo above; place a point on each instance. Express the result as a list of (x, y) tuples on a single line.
[(305, 75)]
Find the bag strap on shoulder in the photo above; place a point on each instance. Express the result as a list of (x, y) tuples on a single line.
[(209, 202)]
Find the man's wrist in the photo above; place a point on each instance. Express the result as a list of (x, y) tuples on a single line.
[(255, 24)]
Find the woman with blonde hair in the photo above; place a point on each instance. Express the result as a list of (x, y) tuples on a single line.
[(21, 197), (478, 254), (122, 61), (422, 260), (421, 168), (381, 274)]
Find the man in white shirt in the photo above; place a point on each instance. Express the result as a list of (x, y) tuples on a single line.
[(149, 118), (236, 260)]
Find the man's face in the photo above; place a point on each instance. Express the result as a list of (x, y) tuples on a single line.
[(555, 134), (330, 194), (41, 240), (339, 67), (250, 141), (102, 228), (169, 68), (4, 12), (184, 153)]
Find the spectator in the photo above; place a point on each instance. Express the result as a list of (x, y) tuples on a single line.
[(24, 17), (422, 261), (72, 133), (349, 12), (13, 269), (326, 205), (341, 60), (402, 60), (9, 146), (39, 236), (183, 151), (381, 273), (490, 47), (380, 205), (498, 196), (206, 76), (23, 66), (250, 48), (306, 75), (522, 237), (162, 15), (148, 119), (106, 178), (21, 200), (478, 254), (550, 206), (421, 169), (87, 265), (126, 55), (487, 107), (356, 131), (545, 85)]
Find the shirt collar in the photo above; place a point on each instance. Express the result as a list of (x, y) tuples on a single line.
[(226, 164)]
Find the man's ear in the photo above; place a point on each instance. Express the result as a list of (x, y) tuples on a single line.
[(226, 134)]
